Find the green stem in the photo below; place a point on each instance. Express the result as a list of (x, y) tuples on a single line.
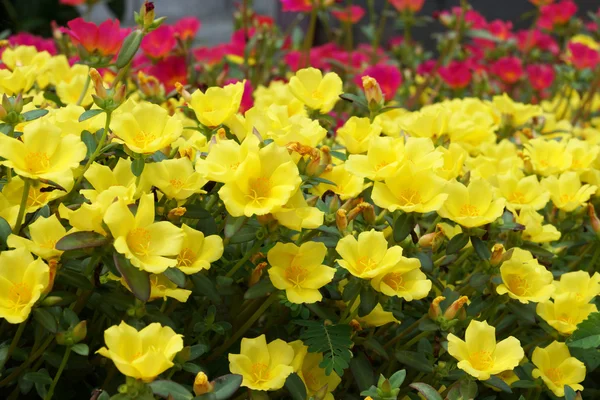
[(28, 362), (310, 36), (96, 152), (416, 339), (240, 332), (348, 309), (379, 31), (245, 258), (405, 332), (23, 206), (85, 89), (13, 343), (58, 373)]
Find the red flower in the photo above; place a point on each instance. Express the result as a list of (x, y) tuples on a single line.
[(457, 74), (529, 40), (263, 20), (407, 5), (582, 56), (540, 3), (73, 2), (27, 39), (388, 77), (509, 69), (187, 27), (247, 98), (472, 18), (298, 5), (160, 42), (540, 76), (426, 67), (351, 14), (211, 55), (556, 14), (105, 39), (169, 71)]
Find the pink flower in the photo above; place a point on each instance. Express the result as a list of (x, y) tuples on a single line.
[(508, 69), (426, 67), (472, 18), (73, 2), (556, 14), (169, 71), (160, 42), (211, 55), (187, 27), (388, 77), (27, 39), (247, 98), (105, 38), (499, 29), (540, 76), (395, 41), (457, 74), (407, 5), (529, 40), (582, 56), (297, 5), (351, 14)]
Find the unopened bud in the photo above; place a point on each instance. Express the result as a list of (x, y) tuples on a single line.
[(3, 113), (355, 325), (312, 200), (149, 85), (385, 386), (427, 239), (369, 214), (341, 220), (594, 219), (201, 384), (176, 213), (373, 92), (51, 301), (322, 393), (98, 84), (147, 13), (257, 273), (335, 203), (119, 94), (455, 307), (183, 92), (52, 268), (497, 254), (325, 155), (79, 332), (434, 308)]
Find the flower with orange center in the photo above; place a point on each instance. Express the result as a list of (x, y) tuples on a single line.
[(524, 279), (557, 368), (149, 245), (22, 281), (565, 313), (404, 279), (198, 251), (44, 233), (176, 178), (567, 192), (299, 270)]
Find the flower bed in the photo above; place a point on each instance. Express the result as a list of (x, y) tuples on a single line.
[(267, 219)]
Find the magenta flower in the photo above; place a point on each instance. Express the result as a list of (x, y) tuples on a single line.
[(187, 27), (160, 42), (540, 76), (457, 74), (388, 77), (508, 69), (104, 39)]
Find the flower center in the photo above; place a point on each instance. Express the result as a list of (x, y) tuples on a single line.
[(37, 162), (365, 264), (517, 197), (481, 360), (394, 280), (409, 197), (296, 275), (260, 372), (518, 285), (139, 241), (566, 198), (312, 383), (49, 244), (468, 210), (259, 190), (555, 375), (317, 94), (142, 138), (177, 184), (567, 319), (36, 198), (186, 258), (19, 295)]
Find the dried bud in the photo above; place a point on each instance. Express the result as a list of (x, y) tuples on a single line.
[(455, 307), (257, 273), (182, 92), (434, 308), (202, 385), (427, 239), (322, 393), (373, 92), (369, 214), (221, 134), (119, 94), (355, 325), (325, 155), (52, 267), (497, 254), (341, 220), (312, 200), (176, 213), (594, 219), (256, 257), (3, 113), (98, 84)]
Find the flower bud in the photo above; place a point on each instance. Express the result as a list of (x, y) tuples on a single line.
[(455, 307), (257, 273), (369, 214), (52, 268), (594, 219), (147, 14), (51, 301), (176, 213), (355, 325), (497, 254), (322, 393), (335, 203), (427, 239), (434, 308), (3, 113), (341, 220), (149, 85), (98, 84), (373, 92), (79, 331), (202, 385)]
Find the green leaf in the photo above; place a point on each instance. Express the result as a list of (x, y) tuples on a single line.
[(468, 390), (570, 394), (523, 384), (137, 166), (481, 248), (334, 341), (137, 280), (41, 378), (362, 371), (352, 289), (483, 34), (5, 129), (81, 240), (368, 301), (82, 349), (5, 230), (373, 345), (233, 225), (89, 114), (498, 383), (74, 279), (33, 114), (352, 98), (590, 357), (296, 387), (196, 211), (90, 142), (398, 378), (225, 386), (130, 46), (176, 276), (165, 389), (197, 350), (205, 287), (403, 226), (45, 319), (587, 334), (260, 289), (426, 391), (52, 96), (456, 243), (414, 360)]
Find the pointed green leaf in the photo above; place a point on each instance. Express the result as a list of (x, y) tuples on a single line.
[(368, 301), (587, 334), (137, 280), (403, 226), (45, 319), (457, 243), (164, 389), (137, 166), (82, 349), (81, 240), (426, 391), (33, 114), (226, 386), (498, 384), (481, 248), (89, 114), (295, 387)]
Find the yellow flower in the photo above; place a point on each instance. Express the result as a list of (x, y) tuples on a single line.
[(377, 317), (515, 113), (141, 354), (161, 287), (347, 185), (147, 244), (557, 368), (24, 56), (317, 91), (264, 182), (197, 251), (429, 122), (44, 233), (43, 153), (102, 178), (390, 121), (279, 93), (454, 158), (584, 286), (356, 134), (404, 279), (146, 128), (522, 192), (71, 85), (548, 157), (480, 356), (313, 376), (381, 161), (535, 231), (411, 191), (296, 214), (18, 81), (524, 279), (225, 157), (176, 178), (368, 256), (299, 270), (582, 153), (565, 313), (495, 160), (218, 104), (566, 192), (472, 205), (263, 366)]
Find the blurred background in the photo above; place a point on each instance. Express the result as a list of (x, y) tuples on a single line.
[(216, 15)]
